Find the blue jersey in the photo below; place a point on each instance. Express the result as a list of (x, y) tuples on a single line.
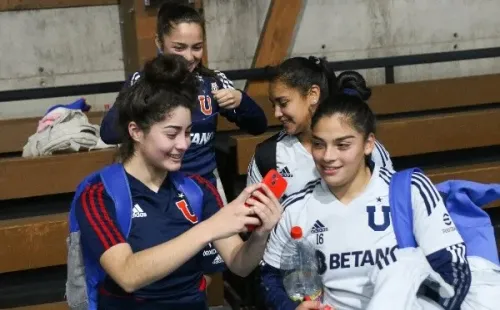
[(157, 217), (200, 157)]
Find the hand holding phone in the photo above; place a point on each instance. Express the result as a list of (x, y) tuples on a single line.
[(276, 183)]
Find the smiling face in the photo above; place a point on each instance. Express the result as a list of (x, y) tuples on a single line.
[(165, 143), (339, 150), (185, 39), (292, 108)]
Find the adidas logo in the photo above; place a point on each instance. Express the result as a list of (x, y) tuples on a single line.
[(318, 227), (286, 173), (138, 212), (217, 260), (209, 252)]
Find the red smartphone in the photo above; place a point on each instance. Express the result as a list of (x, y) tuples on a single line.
[(276, 183)]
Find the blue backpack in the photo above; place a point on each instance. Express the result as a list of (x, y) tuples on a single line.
[(84, 272), (463, 200)]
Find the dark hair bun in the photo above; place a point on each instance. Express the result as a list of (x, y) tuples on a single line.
[(166, 71), (353, 83)]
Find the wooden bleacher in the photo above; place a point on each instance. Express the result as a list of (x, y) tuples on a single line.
[(449, 127)]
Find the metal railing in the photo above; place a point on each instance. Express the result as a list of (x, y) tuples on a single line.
[(388, 63)]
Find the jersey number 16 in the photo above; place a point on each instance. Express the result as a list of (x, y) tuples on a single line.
[(319, 238)]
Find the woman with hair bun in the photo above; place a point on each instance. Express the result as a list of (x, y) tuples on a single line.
[(157, 265), (180, 31), (345, 214)]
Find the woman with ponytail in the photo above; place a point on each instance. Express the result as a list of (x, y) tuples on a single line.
[(297, 88)]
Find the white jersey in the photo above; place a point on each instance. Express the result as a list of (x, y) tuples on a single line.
[(296, 164), (352, 239)]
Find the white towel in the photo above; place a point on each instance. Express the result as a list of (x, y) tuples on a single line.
[(485, 285), (396, 285)]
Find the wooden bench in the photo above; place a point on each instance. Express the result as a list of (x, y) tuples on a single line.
[(418, 118)]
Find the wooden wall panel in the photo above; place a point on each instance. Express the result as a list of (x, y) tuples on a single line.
[(138, 33)]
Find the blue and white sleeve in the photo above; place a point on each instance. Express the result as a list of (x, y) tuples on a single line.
[(381, 157), (439, 239), (253, 173)]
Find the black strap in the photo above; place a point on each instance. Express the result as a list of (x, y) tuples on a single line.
[(265, 154)]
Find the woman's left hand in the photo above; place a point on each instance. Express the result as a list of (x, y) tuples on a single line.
[(228, 98), (267, 207)]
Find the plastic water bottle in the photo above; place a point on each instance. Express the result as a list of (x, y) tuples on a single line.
[(300, 269)]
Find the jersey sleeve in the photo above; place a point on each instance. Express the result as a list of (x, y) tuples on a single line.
[(224, 81), (249, 116), (211, 261), (381, 157), (96, 216), (108, 130), (439, 239), (253, 173), (279, 238)]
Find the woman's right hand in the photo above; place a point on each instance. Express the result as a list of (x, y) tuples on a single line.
[(235, 216)]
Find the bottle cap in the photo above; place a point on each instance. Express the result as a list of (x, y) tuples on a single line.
[(296, 232)]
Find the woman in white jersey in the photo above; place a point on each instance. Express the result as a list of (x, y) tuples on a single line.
[(299, 86), (350, 204)]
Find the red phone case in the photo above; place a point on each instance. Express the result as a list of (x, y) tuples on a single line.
[(276, 183)]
